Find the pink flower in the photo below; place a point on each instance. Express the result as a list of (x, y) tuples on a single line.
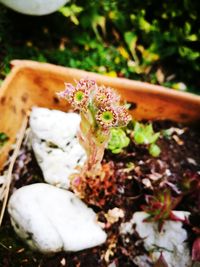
[(78, 96), (123, 116), (107, 117), (105, 96), (67, 93), (86, 85)]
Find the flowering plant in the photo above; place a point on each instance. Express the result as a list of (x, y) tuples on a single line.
[(100, 110)]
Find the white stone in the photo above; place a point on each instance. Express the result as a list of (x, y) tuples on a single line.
[(57, 165), (55, 145), (51, 219), (171, 239), (34, 7), (55, 126)]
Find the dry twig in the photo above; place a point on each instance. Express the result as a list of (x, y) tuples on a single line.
[(6, 186)]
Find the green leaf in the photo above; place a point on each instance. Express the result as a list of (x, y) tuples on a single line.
[(188, 53), (131, 39), (144, 134), (187, 28), (154, 150), (99, 21), (144, 24), (192, 37), (71, 12)]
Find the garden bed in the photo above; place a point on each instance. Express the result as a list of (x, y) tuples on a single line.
[(174, 169), (171, 176)]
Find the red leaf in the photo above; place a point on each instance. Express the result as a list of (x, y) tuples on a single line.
[(196, 250), (173, 217), (161, 262)]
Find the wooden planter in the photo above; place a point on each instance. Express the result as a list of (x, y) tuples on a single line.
[(35, 84)]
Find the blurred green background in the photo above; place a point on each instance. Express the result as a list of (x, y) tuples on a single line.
[(154, 41)]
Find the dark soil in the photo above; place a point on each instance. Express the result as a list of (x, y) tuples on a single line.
[(178, 163)]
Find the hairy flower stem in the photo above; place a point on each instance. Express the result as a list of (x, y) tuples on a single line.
[(94, 143)]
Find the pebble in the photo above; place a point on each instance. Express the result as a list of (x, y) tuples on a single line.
[(171, 240), (55, 144), (50, 219)]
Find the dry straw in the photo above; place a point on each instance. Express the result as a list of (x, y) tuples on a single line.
[(4, 190)]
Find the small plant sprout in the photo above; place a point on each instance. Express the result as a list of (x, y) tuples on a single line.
[(118, 140), (101, 111), (160, 208), (145, 135)]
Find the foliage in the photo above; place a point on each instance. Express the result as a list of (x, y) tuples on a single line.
[(149, 41), (144, 135), (160, 206), (3, 139), (118, 140), (100, 110)]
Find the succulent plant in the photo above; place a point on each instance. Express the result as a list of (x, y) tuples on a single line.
[(145, 135), (101, 111), (160, 208), (118, 140)]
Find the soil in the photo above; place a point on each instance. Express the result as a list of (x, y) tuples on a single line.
[(124, 187)]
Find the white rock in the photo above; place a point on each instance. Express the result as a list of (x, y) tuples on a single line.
[(54, 126), (34, 7), (171, 239), (51, 219), (55, 145), (57, 165)]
